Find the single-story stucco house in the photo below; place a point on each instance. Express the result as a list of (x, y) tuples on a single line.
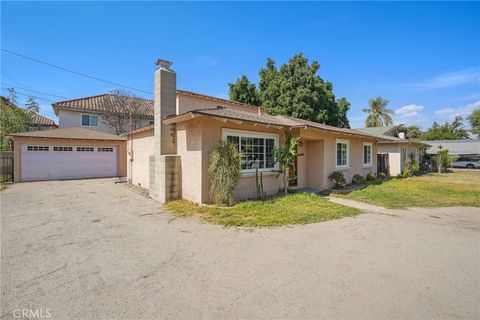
[(170, 158), (394, 149)]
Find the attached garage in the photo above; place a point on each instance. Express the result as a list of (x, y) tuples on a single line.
[(71, 153)]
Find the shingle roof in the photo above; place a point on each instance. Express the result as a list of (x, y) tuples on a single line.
[(70, 133), (43, 121), (286, 121), (377, 131), (109, 103)]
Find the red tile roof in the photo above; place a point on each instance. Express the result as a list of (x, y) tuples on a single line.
[(108, 103), (42, 121)]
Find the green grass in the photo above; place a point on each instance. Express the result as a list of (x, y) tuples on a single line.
[(431, 190), (299, 208)]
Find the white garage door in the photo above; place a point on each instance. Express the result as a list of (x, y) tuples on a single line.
[(48, 162)]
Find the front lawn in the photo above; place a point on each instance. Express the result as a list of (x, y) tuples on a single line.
[(431, 190), (299, 208)]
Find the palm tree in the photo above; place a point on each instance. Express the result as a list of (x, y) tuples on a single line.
[(378, 114)]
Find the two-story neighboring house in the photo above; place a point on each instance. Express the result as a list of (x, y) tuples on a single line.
[(110, 113)]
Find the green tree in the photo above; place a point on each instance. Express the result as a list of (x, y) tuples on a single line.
[(447, 131), (244, 91), (285, 156), (12, 120), (32, 105), (344, 106), (443, 160), (378, 114), (295, 90), (224, 170), (474, 120), (412, 132)]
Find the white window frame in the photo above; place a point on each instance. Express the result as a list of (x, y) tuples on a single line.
[(89, 121), (369, 144), (343, 141), (252, 134)]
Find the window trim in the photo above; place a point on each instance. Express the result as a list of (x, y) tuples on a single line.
[(89, 115), (367, 165), (347, 142), (252, 134)]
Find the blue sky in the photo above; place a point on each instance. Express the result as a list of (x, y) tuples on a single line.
[(423, 57)]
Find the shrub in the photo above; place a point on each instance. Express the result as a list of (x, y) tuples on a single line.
[(370, 177), (411, 168), (357, 179), (443, 160), (381, 175), (338, 178), (224, 170)]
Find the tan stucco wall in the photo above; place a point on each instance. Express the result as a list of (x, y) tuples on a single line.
[(69, 119), (186, 103), (19, 141), (139, 149), (189, 147), (317, 171), (195, 141)]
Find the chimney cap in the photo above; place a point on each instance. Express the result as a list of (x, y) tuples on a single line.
[(163, 64)]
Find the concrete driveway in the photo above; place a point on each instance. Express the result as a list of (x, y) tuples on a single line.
[(90, 249)]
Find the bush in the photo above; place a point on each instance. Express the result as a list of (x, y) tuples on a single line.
[(224, 170), (411, 168), (370, 177), (381, 175), (443, 160), (357, 179), (338, 178)]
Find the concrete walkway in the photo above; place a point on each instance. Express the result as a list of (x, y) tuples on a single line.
[(359, 205)]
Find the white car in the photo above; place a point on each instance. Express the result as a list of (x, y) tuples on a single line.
[(466, 163)]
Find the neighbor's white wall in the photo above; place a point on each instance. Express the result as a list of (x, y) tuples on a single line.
[(68, 119), (394, 157)]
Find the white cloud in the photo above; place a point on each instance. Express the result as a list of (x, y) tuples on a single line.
[(451, 79), (409, 115), (465, 111), (410, 110)]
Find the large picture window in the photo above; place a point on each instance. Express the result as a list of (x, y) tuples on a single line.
[(367, 154), (341, 154), (256, 149), (89, 120)]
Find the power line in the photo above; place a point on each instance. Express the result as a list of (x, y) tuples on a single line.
[(72, 71), (41, 92), (36, 97)]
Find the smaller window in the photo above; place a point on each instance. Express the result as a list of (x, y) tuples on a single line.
[(151, 122), (62, 148), (341, 155), (103, 149), (38, 148), (367, 154), (32, 129), (89, 120), (85, 149)]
